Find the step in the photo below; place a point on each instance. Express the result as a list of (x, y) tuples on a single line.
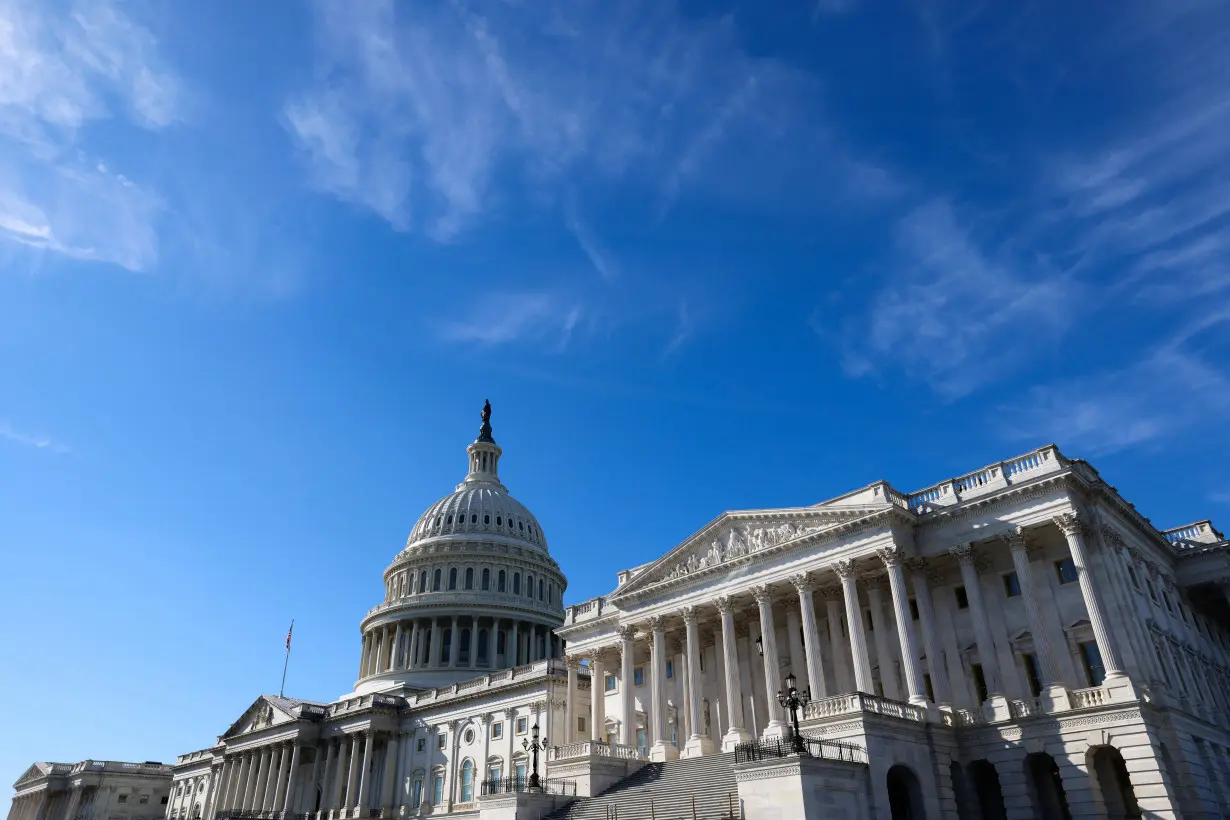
[(663, 791)]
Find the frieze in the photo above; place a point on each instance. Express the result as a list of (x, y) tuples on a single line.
[(1047, 728), (766, 772)]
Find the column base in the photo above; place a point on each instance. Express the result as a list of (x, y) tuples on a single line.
[(662, 751), (996, 708), (1054, 698), (697, 747), (734, 736), (775, 729), (1120, 687)]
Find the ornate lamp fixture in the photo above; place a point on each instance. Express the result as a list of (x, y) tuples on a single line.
[(534, 746), (792, 699)]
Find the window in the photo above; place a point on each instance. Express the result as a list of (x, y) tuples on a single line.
[(523, 725), (499, 582), (486, 519), (164, 802), (642, 741), (1133, 577), (452, 578), (980, 682), (467, 781), (529, 585), (497, 730), (550, 593), (143, 799), (1031, 673), (422, 744), (1065, 570), (494, 773), (638, 676), (435, 582), (670, 670), (1169, 605), (1012, 585), (446, 646), (1152, 591), (469, 578), (521, 770), (516, 583), (540, 588), (611, 683), (1091, 658), (581, 723), (486, 579), (416, 798), (469, 736), (441, 740), (914, 609), (962, 598), (437, 789), (123, 798)]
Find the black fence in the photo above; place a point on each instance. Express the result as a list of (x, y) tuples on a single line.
[(546, 785), (803, 746), (237, 814)]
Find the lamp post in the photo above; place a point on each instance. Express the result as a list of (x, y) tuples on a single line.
[(792, 699), (534, 746)]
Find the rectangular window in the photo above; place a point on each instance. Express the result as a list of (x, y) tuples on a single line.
[(497, 730), (422, 744), (962, 598), (1091, 658), (980, 682), (914, 609), (437, 790), (642, 741), (1065, 570), (1031, 674), (638, 676), (123, 798), (164, 802), (523, 725), (493, 774), (581, 723), (611, 683), (521, 770), (1012, 585), (416, 799), (143, 799), (670, 670), (441, 740)]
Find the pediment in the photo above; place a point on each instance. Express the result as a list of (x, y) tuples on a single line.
[(735, 536), (262, 714), (33, 773)]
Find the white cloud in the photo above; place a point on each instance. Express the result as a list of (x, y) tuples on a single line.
[(60, 71), (950, 313), (10, 433), (540, 317), (598, 257)]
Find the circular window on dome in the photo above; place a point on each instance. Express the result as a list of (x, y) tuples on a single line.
[(469, 736)]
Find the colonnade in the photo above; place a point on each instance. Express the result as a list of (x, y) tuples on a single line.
[(808, 654), (455, 642), (260, 779)]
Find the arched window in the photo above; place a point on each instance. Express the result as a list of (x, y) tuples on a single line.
[(540, 589), (437, 787), (486, 519), (467, 781), (469, 577), (483, 652), (423, 581), (452, 578), (446, 646), (435, 582), (495, 772), (529, 585), (551, 594), (499, 582), (516, 583), (473, 518), (486, 579)]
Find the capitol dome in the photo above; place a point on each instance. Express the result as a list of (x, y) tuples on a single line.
[(474, 589)]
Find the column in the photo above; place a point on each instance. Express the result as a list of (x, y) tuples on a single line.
[(841, 673), (512, 648), (265, 798), (288, 797), (1071, 525), (854, 624), (365, 765), (1055, 696), (884, 657), (661, 749), (352, 771), (964, 553), (474, 661), (811, 635), (390, 774), (405, 765), (278, 792), (363, 655), (627, 726), (326, 785), (794, 644), (570, 696), (597, 697), (433, 643), (395, 661), (413, 649), (737, 732), (892, 558), (931, 639), (698, 744), (776, 726), (256, 780), (234, 790), (71, 812)]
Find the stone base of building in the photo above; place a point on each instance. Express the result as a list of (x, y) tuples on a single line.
[(734, 737), (520, 805), (660, 752), (697, 747), (803, 788), (594, 773)]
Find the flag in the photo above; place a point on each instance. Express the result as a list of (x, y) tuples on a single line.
[(288, 634)]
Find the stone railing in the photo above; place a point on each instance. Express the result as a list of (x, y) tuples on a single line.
[(594, 748), (1086, 698), (589, 610), (468, 598), (1025, 708), (1200, 532), (1004, 474), (861, 702), (116, 766), (191, 756), (967, 717)]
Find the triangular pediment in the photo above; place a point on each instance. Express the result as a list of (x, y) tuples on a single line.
[(266, 711), (733, 537), (35, 771)]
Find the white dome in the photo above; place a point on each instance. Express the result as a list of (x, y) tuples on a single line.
[(479, 508)]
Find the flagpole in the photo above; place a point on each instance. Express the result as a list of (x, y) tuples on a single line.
[(286, 662)]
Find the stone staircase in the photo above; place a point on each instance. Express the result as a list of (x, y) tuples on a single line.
[(664, 791)]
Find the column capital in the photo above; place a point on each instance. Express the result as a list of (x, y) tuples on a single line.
[(657, 623), (844, 569), (916, 563), (1016, 539), (572, 662), (725, 604), (803, 582), (627, 632), (892, 556), (964, 553), (761, 593), (689, 615), (830, 592), (1070, 523)]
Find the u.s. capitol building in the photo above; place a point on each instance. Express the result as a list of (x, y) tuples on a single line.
[(1017, 642)]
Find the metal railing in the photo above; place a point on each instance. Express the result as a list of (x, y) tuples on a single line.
[(769, 748), (545, 785)]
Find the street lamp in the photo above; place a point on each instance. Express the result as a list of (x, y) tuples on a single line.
[(791, 698), (534, 746)]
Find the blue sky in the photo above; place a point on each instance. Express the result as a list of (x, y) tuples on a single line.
[(259, 267)]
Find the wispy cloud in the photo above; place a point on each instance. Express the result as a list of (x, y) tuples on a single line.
[(11, 434), (951, 312), (597, 255), (62, 69), (532, 317)]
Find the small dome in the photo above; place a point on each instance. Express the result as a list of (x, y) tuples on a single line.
[(479, 508)]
